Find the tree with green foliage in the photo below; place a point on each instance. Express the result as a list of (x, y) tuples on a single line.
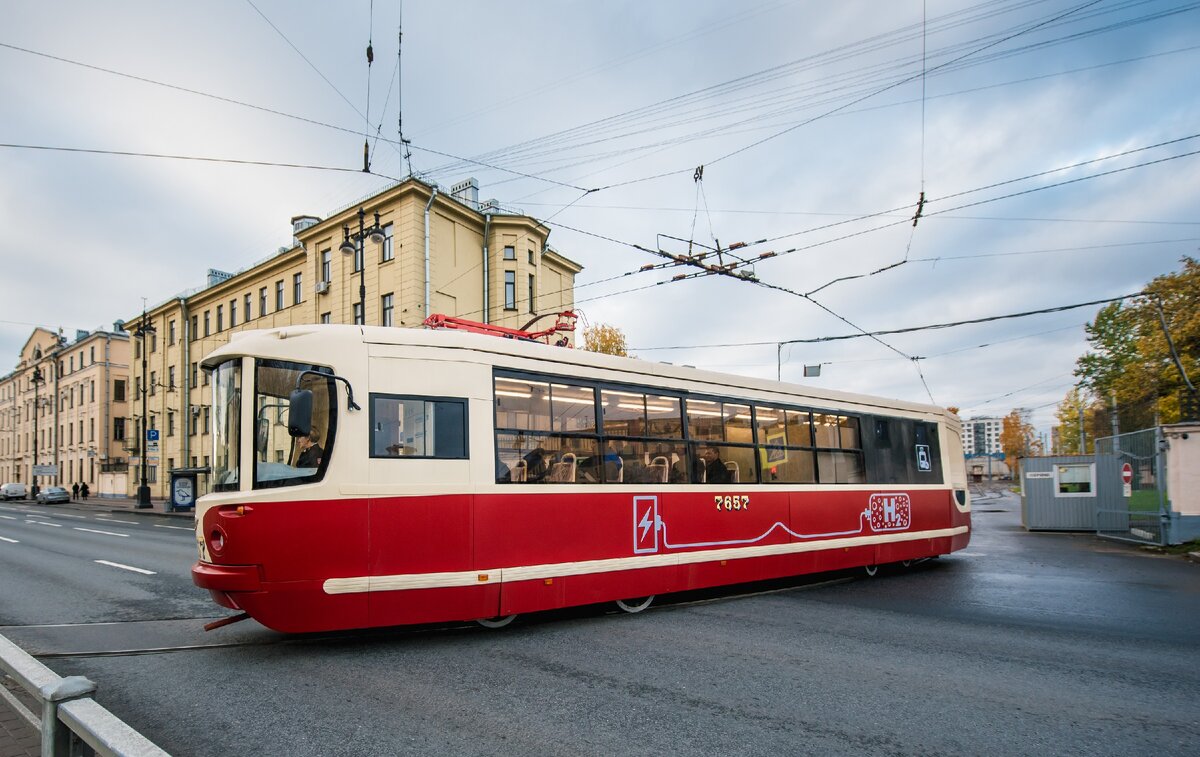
[(1130, 359)]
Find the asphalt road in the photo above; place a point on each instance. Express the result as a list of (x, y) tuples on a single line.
[(1023, 643)]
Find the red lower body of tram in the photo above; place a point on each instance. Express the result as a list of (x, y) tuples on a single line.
[(302, 566)]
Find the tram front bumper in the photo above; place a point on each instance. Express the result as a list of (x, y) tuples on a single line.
[(226, 577)]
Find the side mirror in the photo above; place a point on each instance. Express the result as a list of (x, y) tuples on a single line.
[(262, 435), (300, 404)]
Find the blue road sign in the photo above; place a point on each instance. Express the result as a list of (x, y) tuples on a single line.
[(151, 434)]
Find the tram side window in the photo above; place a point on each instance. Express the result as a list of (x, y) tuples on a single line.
[(722, 435), (785, 446), (839, 453), (546, 432), (424, 427), (643, 438)]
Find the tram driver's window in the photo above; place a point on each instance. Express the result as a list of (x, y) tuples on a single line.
[(418, 427)]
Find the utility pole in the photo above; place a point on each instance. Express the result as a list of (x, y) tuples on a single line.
[(143, 495)]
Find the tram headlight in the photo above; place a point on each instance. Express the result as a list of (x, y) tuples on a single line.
[(216, 541)]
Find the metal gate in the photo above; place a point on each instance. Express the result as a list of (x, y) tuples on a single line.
[(1145, 518)]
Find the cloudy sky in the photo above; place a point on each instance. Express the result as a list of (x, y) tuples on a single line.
[(1051, 138)]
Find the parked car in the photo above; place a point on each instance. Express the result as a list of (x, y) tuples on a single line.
[(12, 491), (48, 494)]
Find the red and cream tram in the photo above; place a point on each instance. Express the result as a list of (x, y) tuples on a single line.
[(383, 476)]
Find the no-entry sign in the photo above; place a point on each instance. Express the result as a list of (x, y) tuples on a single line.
[(1127, 473)]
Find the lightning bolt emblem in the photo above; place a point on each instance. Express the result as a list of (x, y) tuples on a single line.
[(645, 523)]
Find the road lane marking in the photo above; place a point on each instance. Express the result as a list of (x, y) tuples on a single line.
[(44, 523), (143, 571), (126, 522), (177, 528), (9, 517), (10, 541), (64, 515), (95, 531)]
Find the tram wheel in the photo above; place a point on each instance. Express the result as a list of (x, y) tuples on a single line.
[(871, 570), (635, 605), (500, 621)]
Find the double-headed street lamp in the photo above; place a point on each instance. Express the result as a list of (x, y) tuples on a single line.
[(143, 495), (352, 244), (37, 380)]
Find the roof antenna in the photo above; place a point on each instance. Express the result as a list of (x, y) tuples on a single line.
[(404, 143)]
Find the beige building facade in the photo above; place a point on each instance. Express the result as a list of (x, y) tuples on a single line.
[(67, 405), (442, 253)]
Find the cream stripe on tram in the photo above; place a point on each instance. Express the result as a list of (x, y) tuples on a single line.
[(407, 581)]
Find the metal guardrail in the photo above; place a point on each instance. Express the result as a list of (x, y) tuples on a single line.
[(71, 722)]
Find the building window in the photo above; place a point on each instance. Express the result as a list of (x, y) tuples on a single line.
[(92, 391), (358, 313), (171, 377), (262, 302), (510, 290), (170, 334), (232, 313), (118, 391), (531, 258), (118, 429), (170, 423), (389, 251), (279, 295), (220, 318), (153, 346), (195, 327), (246, 315), (153, 382), (531, 293), (358, 258), (92, 353), (207, 323), (326, 266), (297, 289), (1078, 480), (385, 306), (195, 367), (206, 419), (326, 317), (510, 253)]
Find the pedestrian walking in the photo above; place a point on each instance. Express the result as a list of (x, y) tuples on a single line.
[(75, 490), (83, 490)]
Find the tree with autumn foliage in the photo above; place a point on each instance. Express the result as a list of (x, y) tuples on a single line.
[(607, 339), (1017, 440)]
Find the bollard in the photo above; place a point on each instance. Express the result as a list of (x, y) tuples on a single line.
[(56, 737)]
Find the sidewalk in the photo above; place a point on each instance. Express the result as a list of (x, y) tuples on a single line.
[(17, 737), (123, 505)]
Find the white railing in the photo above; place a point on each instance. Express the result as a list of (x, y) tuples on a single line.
[(70, 718)]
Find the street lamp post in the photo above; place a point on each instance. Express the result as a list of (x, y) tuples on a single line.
[(37, 381), (352, 244), (143, 494)]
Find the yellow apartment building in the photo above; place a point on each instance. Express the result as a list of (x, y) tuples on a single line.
[(66, 405), (442, 252)]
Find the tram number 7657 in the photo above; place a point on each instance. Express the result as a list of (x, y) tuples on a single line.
[(735, 502)]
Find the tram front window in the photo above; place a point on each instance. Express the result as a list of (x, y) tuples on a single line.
[(227, 414), (280, 459)]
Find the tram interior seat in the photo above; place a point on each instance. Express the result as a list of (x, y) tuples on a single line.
[(614, 472), (563, 472), (660, 470), (519, 471), (735, 473)]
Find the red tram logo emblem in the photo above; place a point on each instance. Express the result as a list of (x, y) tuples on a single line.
[(890, 512)]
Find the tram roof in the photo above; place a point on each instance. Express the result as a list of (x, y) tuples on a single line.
[(312, 339)]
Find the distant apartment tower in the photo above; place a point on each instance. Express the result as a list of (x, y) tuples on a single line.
[(981, 436)]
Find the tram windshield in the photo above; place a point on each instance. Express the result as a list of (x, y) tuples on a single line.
[(280, 459), (227, 413)]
